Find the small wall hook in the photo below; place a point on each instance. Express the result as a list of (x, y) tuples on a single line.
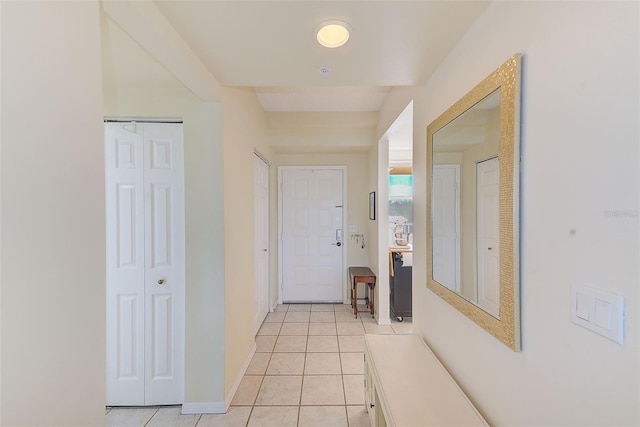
[(357, 238)]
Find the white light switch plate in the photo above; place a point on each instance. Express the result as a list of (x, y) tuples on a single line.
[(353, 228), (599, 311)]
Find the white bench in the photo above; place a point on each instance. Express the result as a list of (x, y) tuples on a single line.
[(406, 386)]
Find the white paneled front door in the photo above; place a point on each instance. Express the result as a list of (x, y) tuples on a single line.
[(261, 230), (445, 204), (145, 263), (488, 247), (312, 234)]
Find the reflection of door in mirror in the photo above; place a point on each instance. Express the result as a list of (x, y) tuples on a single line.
[(488, 247), (446, 225)]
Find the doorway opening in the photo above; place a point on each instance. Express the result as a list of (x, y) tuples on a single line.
[(395, 225)]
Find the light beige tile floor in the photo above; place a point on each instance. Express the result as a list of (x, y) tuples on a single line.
[(307, 371)]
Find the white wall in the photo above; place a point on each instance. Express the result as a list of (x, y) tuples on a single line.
[(244, 130), (53, 242), (382, 222), (580, 166), (327, 132), (372, 185)]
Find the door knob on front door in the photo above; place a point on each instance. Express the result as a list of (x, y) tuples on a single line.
[(160, 282)]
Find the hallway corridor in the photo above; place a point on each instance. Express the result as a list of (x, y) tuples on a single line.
[(307, 371)]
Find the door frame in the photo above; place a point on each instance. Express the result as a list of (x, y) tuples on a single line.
[(345, 241), (267, 289)]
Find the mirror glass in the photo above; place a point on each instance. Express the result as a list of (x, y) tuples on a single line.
[(464, 204), (472, 213)]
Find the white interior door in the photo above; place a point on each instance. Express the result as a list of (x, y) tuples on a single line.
[(445, 208), (145, 263), (261, 230), (312, 235), (488, 248)]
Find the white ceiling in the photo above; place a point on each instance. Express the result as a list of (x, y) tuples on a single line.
[(269, 46)]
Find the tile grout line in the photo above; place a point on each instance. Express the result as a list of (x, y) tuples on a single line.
[(344, 389), (304, 368), (304, 371), (151, 417), (399, 328), (198, 420), (266, 369)]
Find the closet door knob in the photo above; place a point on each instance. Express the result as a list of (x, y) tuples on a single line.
[(160, 282)]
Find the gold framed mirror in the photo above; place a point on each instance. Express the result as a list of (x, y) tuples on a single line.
[(473, 159)]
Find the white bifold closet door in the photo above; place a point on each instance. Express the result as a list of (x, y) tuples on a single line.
[(145, 263)]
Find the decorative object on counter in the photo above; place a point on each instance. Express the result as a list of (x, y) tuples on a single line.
[(473, 170), (372, 205), (401, 234), (400, 231)]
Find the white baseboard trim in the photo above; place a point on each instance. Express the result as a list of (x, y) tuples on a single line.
[(189, 408), (236, 384), (384, 322)]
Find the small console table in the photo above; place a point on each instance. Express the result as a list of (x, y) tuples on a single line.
[(362, 275), (406, 385)]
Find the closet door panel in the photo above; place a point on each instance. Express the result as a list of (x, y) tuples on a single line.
[(164, 274), (125, 263)]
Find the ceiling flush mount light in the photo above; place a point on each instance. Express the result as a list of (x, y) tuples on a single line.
[(332, 34)]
